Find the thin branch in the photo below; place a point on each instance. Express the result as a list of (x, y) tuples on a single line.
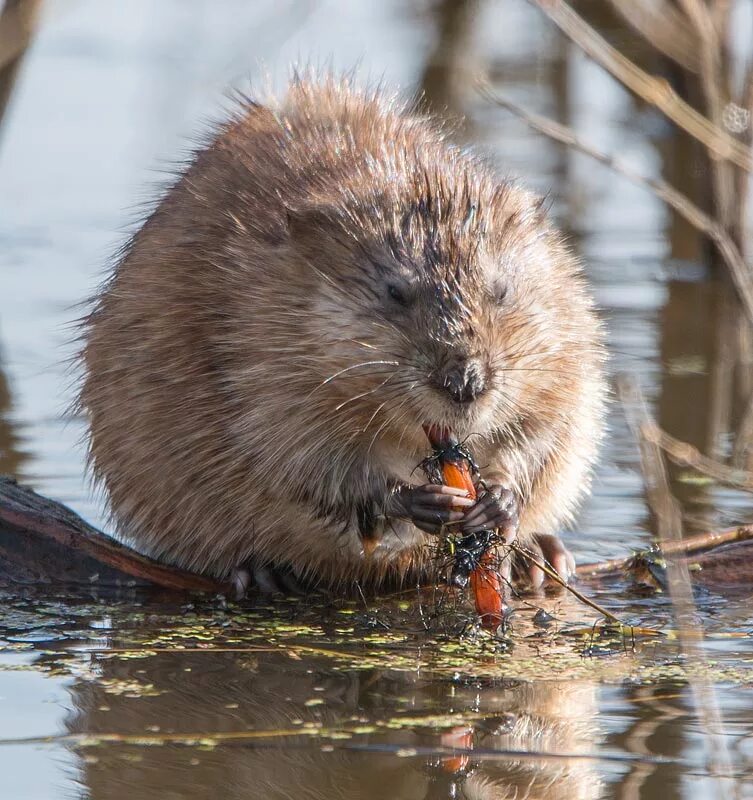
[(655, 91), (739, 270), (686, 455), (553, 575)]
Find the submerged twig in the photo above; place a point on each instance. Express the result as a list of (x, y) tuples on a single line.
[(217, 738), (553, 575)]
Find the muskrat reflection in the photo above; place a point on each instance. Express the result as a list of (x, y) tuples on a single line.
[(206, 694)]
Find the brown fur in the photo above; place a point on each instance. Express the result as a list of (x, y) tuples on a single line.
[(228, 418)]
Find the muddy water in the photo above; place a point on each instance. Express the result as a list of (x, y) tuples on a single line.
[(142, 698)]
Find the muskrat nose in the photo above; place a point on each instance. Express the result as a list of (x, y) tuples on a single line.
[(464, 382)]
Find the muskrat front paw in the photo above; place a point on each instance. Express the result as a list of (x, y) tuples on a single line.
[(496, 509), (430, 507)]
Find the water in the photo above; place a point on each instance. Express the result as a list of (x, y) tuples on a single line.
[(146, 699)]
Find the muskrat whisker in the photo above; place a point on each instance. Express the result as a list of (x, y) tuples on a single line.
[(393, 329), (356, 366), (386, 422), (364, 394), (371, 418), (402, 434)]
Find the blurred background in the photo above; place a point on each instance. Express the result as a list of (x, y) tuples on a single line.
[(99, 100)]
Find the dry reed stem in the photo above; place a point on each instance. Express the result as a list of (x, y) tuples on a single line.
[(713, 85), (698, 218), (743, 177), (664, 28), (686, 455), (654, 91)]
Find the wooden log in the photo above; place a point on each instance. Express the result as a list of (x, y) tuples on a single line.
[(44, 542)]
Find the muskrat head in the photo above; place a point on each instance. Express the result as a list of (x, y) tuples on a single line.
[(439, 306)]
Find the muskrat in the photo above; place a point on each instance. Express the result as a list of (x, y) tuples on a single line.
[(328, 275)]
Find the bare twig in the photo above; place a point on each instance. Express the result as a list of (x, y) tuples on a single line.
[(678, 201), (655, 91), (700, 543), (553, 575)]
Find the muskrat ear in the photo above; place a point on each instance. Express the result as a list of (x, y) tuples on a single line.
[(530, 211)]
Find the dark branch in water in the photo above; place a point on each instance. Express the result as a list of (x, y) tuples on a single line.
[(44, 542)]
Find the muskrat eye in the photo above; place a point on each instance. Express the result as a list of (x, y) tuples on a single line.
[(501, 293), (398, 294)]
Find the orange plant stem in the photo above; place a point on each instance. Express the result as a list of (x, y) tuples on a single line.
[(485, 581)]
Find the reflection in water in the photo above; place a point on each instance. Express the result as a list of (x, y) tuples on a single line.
[(351, 725), (230, 694), (11, 456)]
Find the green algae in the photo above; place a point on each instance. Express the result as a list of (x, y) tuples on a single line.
[(577, 650)]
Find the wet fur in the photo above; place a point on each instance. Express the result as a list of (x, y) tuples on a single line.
[(228, 419)]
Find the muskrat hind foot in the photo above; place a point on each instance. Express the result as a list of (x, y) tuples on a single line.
[(265, 580), (548, 548)]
